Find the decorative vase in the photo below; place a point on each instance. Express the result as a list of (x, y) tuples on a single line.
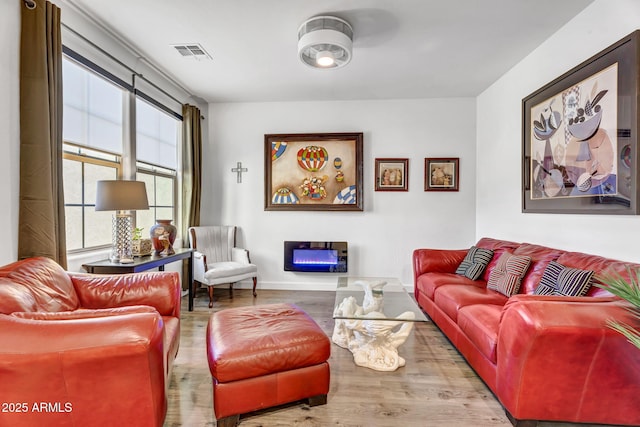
[(163, 234)]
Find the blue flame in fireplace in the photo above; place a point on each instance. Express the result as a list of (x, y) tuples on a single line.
[(315, 256)]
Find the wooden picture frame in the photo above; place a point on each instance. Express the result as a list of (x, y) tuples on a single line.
[(442, 174), (579, 142), (313, 172), (391, 174)]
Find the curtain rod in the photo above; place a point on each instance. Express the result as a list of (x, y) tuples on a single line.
[(116, 60)]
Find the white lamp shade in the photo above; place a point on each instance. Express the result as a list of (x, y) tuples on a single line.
[(112, 195)]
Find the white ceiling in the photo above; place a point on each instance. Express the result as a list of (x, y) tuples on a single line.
[(401, 48)]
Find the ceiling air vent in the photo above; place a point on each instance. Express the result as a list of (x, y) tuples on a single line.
[(192, 50)]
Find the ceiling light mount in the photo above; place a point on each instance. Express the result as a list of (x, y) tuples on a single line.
[(325, 42)]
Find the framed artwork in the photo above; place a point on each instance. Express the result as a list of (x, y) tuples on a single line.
[(313, 171), (392, 174), (442, 174), (579, 142)]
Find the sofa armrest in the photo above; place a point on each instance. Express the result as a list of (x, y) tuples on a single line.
[(562, 359), (161, 290), (199, 266), (93, 368), (240, 255), (436, 261)]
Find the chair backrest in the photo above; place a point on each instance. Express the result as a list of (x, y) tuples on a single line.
[(215, 241)]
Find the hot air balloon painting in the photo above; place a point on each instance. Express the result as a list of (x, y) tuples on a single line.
[(320, 171), (312, 158), (346, 196), (284, 196), (277, 149)]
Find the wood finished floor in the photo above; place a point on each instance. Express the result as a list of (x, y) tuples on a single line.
[(436, 387)]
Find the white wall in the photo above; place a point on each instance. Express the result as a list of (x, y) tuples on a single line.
[(382, 238), (499, 141), (9, 127)]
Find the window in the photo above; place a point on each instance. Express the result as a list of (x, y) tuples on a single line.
[(161, 185), (157, 136), (82, 169), (95, 122), (93, 109)]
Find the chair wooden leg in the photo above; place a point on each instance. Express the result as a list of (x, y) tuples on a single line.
[(255, 281), (210, 296)]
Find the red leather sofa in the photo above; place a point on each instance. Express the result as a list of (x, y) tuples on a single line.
[(550, 358), (85, 350)]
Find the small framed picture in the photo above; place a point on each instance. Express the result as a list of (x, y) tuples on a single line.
[(442, 174), (392, 174)]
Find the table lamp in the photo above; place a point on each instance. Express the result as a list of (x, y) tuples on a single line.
[(122, 197)]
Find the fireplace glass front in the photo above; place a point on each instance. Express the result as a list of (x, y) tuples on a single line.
[(321, 257)]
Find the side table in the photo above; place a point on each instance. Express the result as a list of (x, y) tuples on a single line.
[(146, 263)]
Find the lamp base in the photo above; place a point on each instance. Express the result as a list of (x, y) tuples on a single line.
[(122, 251)]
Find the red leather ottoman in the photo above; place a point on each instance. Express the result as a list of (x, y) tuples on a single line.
[(265, 355)]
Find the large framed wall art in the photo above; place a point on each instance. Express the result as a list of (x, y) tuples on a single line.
[(320, 171), (580, 137)]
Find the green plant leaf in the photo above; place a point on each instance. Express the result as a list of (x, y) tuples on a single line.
[(628, 290)]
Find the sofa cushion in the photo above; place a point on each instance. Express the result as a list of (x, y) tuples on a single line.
[(473, 265), (86, 313), (564, 281), (498, 247), (15, 297), (540, 258), (222, 270), (451, 298), (480, 323), (48, 283), (508, 273), (427, 283), (602, 266)]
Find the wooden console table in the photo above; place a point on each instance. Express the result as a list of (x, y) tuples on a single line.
[(146, 263)]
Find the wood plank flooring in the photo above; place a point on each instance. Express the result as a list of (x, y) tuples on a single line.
[(436, 387)]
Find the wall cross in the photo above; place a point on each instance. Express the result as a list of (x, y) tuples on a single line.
[(239, 169)]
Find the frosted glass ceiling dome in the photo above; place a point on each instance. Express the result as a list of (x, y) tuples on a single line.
[(325, 42)]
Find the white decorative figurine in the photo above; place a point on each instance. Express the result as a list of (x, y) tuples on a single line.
[(373, 341)]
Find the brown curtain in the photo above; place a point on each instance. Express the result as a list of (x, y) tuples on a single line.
[(191, 171), (41, 224)]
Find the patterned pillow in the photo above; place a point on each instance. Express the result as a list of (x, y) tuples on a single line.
[(564, 281), (507, 275), (473, 265)]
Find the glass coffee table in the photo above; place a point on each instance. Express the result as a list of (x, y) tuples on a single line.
[(373, 317)]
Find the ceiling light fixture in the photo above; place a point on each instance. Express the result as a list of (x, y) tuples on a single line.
[(325, 42)]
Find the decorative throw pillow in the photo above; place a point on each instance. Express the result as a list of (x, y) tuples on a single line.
[(507, 275), (474, 263), (564, 281)]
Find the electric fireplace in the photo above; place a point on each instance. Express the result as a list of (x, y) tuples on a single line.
[(319, 257)]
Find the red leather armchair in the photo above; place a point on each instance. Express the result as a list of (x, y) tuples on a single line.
[(80, 349)]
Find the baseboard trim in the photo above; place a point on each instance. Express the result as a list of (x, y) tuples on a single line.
[(296, 286)]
